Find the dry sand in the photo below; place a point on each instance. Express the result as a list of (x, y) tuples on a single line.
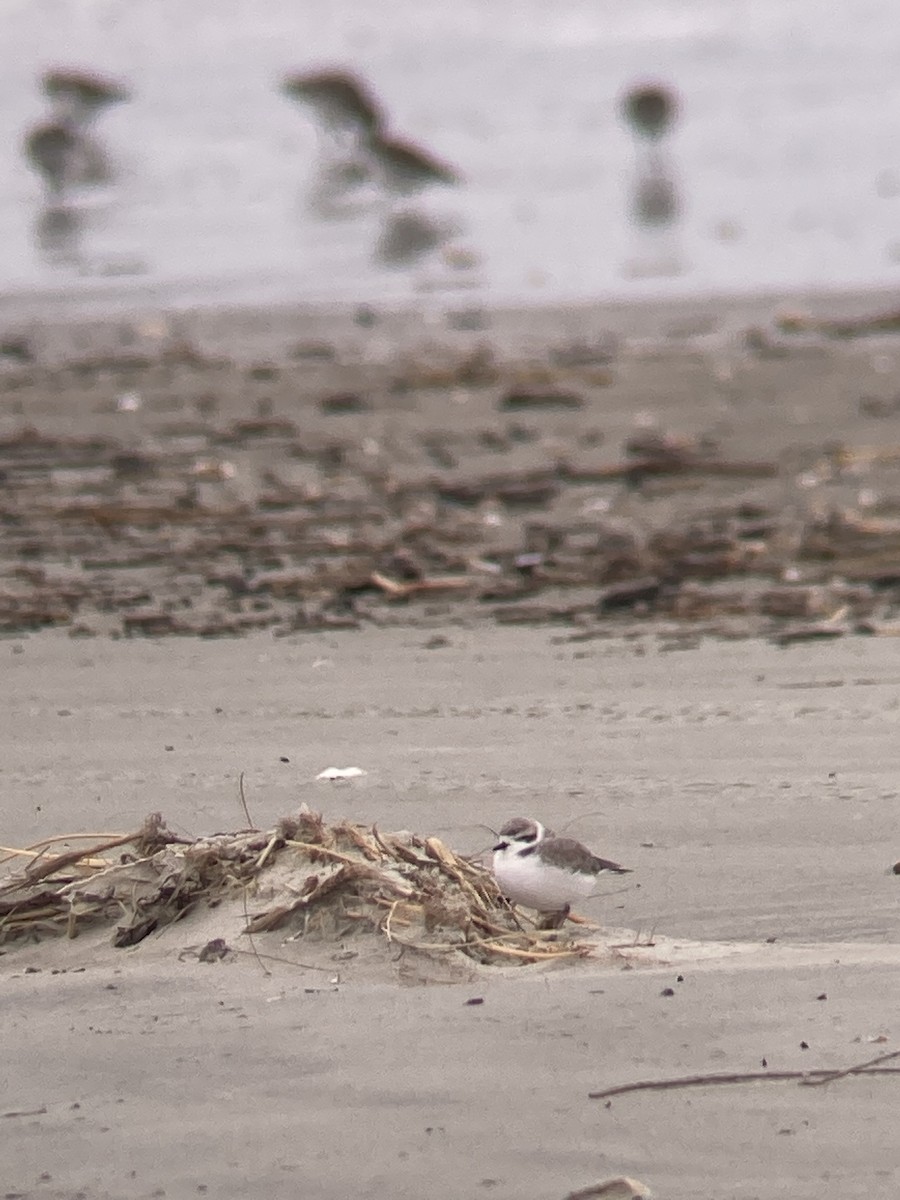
[(191, 1075), (752, 789)]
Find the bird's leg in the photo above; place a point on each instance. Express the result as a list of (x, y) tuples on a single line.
[(553, 920)]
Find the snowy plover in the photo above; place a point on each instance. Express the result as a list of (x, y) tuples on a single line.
[(536, 868)]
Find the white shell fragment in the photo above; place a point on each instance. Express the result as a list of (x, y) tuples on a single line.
[(341, 773)]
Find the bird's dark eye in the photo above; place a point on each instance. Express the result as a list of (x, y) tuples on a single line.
[(527, 837)]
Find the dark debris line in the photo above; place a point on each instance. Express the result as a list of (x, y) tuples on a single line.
[(212, 525)]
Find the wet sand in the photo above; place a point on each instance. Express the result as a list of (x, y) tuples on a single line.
[(731, 472), (751, 786)]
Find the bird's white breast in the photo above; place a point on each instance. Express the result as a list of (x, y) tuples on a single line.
[(535, 884)]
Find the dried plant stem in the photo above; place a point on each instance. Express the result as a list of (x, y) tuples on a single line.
[(270, 846), (387, 921), (37, 849), (537, 955), (312, 848), (244, 801), (496, 948), (289, 962), (40, 870)]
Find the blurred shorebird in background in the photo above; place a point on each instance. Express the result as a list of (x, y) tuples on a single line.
[(649, 110), (70, 159), (62, 148), (364, 166), (347, 116)]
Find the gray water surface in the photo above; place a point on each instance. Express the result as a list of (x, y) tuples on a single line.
[(785, 155)]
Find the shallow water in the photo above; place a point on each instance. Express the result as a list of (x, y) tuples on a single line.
[(783, 157)]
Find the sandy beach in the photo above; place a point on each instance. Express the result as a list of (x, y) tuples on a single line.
[(192, 536)]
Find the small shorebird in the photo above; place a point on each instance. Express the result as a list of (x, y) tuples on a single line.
[(364, 167), (61, 148), (355, 139), (534, 867), (347, 116), (650, 110)]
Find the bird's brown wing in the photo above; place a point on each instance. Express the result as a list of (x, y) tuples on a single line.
[(572, 856)]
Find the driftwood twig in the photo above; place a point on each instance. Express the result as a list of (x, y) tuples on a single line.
[(808, 1078), (858, 1069)]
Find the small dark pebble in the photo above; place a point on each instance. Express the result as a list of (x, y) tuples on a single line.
[(679, 979), (263, 372), (765, 1062), (632, 594), (132, 465), (876, 406), (365, 317), (344, 404), (284, 758), (475, 1000), (32, 970), (822, 996), (667, 992), (468, 319), (808, 633), (17, 349), (804, 1045), (515, 401), (168, 747)]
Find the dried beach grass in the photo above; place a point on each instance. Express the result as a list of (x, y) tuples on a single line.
[(321, 881)]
